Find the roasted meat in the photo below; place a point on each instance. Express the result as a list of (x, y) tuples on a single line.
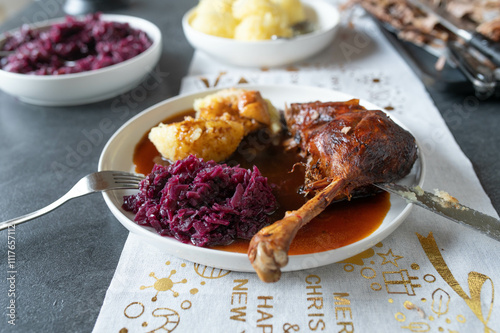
[(347, 148), (417, 27)]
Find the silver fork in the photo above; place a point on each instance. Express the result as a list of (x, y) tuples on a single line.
[(95, 182)]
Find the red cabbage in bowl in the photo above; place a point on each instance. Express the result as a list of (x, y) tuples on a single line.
[(204, 203), (72, 46)]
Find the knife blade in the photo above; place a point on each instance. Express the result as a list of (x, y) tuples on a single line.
[(488, 47), (445, 205)]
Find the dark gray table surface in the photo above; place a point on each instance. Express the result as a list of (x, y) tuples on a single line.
[(64, 261)]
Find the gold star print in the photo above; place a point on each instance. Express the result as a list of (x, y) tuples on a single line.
[(163, 284), (389, 257)]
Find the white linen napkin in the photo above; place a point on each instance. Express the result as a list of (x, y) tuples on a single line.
[(430, 275)]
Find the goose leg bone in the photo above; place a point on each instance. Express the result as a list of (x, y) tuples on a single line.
[(268, 249)]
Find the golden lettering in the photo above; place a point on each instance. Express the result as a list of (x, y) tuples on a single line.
[(238, 290), (314, 325), (340, 300), (241, 283), (240, 313), (315, 303), (342, 307), (347, 327), (314, 292), (287, 327), (310, 278), (343, 310), (263, 316), (315, 300), (265, 298), (475, 281), (240, 295), (264, 327)]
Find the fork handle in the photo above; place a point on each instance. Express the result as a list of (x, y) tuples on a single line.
[(35, 214)]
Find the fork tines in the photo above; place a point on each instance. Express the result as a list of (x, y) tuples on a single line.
[(126, 178)]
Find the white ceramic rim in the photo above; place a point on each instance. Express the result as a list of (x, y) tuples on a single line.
[(238, 261)]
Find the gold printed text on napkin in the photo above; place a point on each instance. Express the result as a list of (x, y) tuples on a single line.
[(475, 280)]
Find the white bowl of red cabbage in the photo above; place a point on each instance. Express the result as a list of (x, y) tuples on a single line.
[(78, 60)]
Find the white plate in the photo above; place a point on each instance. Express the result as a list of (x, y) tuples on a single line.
[(118, 152)]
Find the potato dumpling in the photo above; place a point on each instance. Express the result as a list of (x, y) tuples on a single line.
[(208, 139), (215, 24), (293, 10), (245, 8), (261, 28), (221, 6), (214, 17), (222, 120), (248, 20), (244, 106), (260, 20)]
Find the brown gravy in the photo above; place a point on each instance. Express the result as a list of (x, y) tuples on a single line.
[(342, 223)]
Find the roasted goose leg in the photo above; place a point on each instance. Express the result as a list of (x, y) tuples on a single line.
[(347, 148)]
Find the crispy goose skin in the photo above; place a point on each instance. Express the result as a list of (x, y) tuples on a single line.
[(347, 148)]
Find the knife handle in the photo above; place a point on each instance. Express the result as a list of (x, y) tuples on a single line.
[(487, 47)]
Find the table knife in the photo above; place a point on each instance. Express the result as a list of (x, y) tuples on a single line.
[(488, 47), (443, 204)]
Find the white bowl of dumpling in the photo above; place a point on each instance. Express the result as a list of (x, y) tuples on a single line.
[(258, 33)]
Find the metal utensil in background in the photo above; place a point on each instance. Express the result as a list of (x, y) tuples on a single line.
[(298, 29), (478, 70), (486, 46), (464, 65), (452, 210)]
